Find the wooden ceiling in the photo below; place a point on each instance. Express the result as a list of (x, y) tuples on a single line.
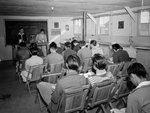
[(63, 7)]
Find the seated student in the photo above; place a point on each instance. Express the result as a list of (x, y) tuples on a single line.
[(34, 60), (34, 45), (71, 80), (84, 52), (76, 46), (119, 54), (95, 48), (139, 98), (99, 68), (22, 54), (68, 51), (54, 57)]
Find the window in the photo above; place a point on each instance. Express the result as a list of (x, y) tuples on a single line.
[(77, 26), (103, 27), (144, 23)]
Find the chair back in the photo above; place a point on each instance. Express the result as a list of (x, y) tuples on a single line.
[(51, 77), (114, 68), (122, 90), (87, 64), (73, 99), (100, 93), (125, 66), (56, 68), (36, 72)]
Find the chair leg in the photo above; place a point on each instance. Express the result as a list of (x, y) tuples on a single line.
[(40, 102), (110, 105), (28, 88), (103, 108)]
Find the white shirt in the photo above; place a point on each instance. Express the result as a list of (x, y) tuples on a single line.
[(97, 49), (34, 60), (145, 83)]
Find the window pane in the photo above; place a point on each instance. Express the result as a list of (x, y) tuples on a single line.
[(144, 16), (144, 29), (103, 27)]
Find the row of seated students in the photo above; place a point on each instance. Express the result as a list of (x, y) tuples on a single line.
[(51, 93), (54, 57), (73, 62), (138, 99)]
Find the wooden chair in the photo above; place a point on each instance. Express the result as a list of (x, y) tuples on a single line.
[(122, 92), (35, 72), (100, 95), (20, 66), (73, 100), (87, 64), (56, 68), (114, 68), (123, 72)]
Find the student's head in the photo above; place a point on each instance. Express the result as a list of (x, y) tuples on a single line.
[(93, 43), (33, 45), (34, 51), (116, 47), (67, 45), (42, 31), (53, 47), (75, 42), (73, 62), (136, 72), (22, 44), (99, 62), (82, 43)]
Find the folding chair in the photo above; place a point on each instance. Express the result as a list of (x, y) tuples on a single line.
[(35, 72), (73, 100), (19, 67), (122, 92), (55, 68), (100, 95), (114, 68), (87, 64), (123, 72)]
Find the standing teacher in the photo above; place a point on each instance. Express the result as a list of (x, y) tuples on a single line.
[(42, 38), (21, 37)]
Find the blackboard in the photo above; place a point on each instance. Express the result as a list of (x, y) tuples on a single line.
[(31, 28)]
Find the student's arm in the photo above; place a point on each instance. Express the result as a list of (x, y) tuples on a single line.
[(57, 93), (133, 105)]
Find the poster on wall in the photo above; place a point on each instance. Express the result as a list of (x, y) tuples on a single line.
[(55, 32), (67, 27), (121, 25)]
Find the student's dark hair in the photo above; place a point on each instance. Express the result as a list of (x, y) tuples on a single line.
[(73, 62), (34, 51), (99, 61), (137, 69), (33, 45), (53, 45), (93, 42), (82, 43), (68, 44), (116, 46), (42, 30), (22, 44)]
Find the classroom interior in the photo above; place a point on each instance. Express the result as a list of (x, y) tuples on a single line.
[(107, 21)]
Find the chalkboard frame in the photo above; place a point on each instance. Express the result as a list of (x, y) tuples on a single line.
[(24, 20)]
